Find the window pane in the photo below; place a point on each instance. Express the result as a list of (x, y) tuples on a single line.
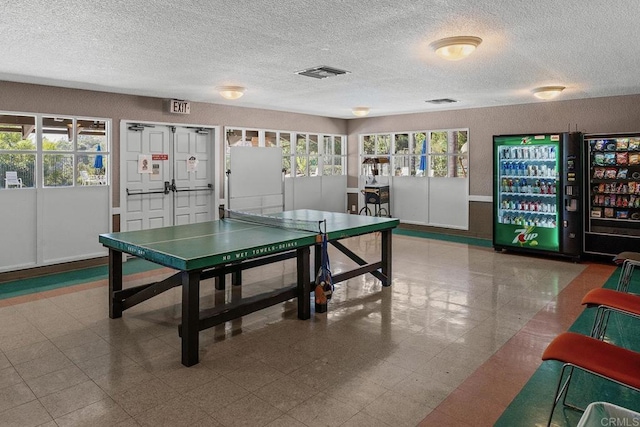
[(91, 135), (92, 169), (461, 166), (17, 133), (285, 143), (384, 144), (270, 139), (327, 146), (368, 144), (57, 134), (337, 146), (313, 144), (438, 166), (403, 166), (419, 146), (327, 165), (338, 169), (23, 164), (402, 143), (438, 143), (58, 170), (251, 138), (301, 166), (460, 141), (313, 165), (234, 137), (301, 145)]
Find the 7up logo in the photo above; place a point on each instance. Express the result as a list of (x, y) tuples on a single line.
[(525, 236)]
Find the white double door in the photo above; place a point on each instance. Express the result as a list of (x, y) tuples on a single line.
[(166, 175)]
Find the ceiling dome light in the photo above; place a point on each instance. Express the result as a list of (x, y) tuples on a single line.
[(456, 48), (547, 92), (231, 92), (360, 111)]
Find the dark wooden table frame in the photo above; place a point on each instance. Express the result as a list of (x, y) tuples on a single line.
[(194, 320)]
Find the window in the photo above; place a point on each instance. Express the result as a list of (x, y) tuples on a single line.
[(423, 153), (303, 154), (334, 158), (18, 149), (65, 142), (57, 147), (92, 157), (448, 154), (376, 150)]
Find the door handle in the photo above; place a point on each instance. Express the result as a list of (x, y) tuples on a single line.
[(167, 187)]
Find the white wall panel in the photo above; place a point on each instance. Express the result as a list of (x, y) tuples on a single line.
[(18, 229), (449, 202), (307, 193), (410, 199), (334, 193), (71, 221)]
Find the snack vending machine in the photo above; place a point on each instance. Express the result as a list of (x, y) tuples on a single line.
[(537, 193), (612, 188)]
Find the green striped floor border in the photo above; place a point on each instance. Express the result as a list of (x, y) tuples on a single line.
[(475, 241), (532, 405), (70, 278)]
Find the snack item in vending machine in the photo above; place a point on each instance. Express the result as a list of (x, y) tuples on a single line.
[(598, 173), (634, 144), (609, 158), (622, 144), (598, 159), (599, 145), (622, 158), (622, 173)]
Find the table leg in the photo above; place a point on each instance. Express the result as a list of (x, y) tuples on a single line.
[(386, 257), (304, 283), (190, 317), (115, 282)]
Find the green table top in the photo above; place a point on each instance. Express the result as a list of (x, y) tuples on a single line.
[(208, 244)]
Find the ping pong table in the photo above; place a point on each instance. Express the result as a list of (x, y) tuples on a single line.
[(212, 249)]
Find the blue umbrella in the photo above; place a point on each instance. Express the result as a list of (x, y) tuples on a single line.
[(97, 163), (423, 156)]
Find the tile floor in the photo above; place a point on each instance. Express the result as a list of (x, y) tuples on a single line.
[(425, 351)]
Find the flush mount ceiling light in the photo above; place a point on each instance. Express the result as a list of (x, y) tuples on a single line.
[(231, 92), (456, 48), (360, 111), (547, 92)]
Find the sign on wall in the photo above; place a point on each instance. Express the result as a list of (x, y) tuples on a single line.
[(179, 106)]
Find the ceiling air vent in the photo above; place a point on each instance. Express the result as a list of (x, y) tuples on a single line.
[(321, 72), (441, 101)]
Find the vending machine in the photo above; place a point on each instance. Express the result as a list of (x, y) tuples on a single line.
[(612, 193), (537, 193)]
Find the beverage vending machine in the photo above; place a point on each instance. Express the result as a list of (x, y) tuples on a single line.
[(537, 193)]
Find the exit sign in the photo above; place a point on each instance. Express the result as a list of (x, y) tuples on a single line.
[(179, 106)]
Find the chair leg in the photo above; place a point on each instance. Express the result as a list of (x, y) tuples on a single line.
[(561, 390)]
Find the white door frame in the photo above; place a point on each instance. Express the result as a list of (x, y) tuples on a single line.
[(214, 165)]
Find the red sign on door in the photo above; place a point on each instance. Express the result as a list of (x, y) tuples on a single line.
[(159, 157)]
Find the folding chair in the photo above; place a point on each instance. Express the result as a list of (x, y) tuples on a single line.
[(629, 261), (608, 301)]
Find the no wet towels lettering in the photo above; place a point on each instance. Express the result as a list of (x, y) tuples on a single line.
[(260, 251)]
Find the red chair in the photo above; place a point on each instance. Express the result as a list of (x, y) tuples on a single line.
[(607, 301), (629, 261), (616, 364)]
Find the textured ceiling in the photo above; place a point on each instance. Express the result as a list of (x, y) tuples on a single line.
[(184, 49)]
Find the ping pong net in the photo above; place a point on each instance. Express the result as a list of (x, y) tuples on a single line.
[(278, 222)]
